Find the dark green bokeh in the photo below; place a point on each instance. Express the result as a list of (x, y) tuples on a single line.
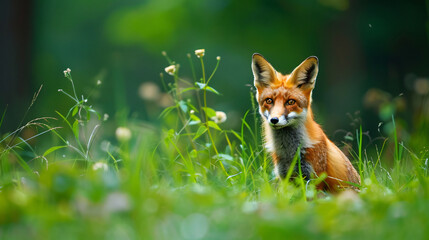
[(360, 44)]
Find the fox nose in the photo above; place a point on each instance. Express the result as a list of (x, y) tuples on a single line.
[(274, 120)]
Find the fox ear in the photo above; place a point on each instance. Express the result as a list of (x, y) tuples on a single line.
[(263, 72), (304, 76)]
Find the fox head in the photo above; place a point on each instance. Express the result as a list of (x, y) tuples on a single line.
[(284, 99)]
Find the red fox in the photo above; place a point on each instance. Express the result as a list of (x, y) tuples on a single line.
[(285, 107)]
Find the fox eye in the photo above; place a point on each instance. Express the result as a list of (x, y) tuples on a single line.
[(269, 100), (290, 102)]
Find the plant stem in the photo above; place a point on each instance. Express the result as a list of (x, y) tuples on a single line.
[(211, 75), (359, 139), (72, 83), (197, 92), (203, 70), (179, 111), (205, 107), (255, 119)]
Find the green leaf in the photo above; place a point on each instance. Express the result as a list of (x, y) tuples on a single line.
[(166, 111), (209, 111), (206, 87), (75, 109), (193, 153), (210, 89), (202, 129), (22, 162), (201, 85), (214, 125), (195, 120), (88, 115), (93, 111), (65, 120), (192, 106), (169, 135), (236, 135), (76, 129), (183, 106), (53, 149), (188, 89), (224, 157), (191, 123)]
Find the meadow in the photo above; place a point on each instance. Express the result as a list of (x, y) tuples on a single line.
[(186, 177)]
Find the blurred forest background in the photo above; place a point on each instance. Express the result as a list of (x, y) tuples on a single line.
[(373, 55)]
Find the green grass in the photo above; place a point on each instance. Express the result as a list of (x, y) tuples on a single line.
[(188, 178)]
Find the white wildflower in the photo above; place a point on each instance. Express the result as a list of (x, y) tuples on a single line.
[(98, 82), (100, 165), (218, 58), (123, 134), (200, 52), (170, 69), (220, 117), (67, 72)]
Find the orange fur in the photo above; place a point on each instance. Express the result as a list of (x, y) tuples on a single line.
[(285, 106)]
